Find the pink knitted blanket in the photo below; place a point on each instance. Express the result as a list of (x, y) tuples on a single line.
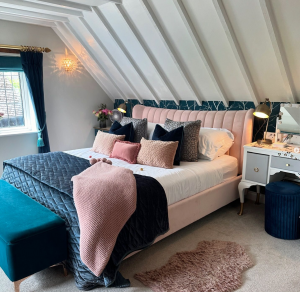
[(105, 198)]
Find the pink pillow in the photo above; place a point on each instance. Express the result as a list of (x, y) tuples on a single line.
[(126, 151), (104, 142)]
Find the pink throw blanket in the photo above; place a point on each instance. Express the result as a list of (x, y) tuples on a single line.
[(105, 198)]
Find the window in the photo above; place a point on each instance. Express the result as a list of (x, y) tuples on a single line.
[(15, 104)]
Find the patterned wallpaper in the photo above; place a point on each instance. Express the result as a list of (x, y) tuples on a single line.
[(259, 124)]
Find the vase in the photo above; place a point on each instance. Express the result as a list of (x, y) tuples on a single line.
[(102, 124)]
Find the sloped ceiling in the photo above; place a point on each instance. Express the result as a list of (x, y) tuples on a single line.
[(202, 50)]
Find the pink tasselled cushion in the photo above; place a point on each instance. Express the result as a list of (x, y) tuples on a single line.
[(104, 142), (157, 153), (126, 151)]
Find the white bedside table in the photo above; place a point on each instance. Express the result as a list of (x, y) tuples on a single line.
[(264, 164)]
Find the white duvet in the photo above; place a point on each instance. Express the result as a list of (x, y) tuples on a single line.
[(182, 181)]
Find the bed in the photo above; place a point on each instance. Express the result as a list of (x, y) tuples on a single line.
[(193, 189)]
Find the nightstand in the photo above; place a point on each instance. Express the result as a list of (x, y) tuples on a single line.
[(264, 163), (106, 130)]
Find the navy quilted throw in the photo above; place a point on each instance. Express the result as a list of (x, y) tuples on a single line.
[(46, 178)]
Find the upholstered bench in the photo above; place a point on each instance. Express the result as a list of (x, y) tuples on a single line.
[(32, 237)]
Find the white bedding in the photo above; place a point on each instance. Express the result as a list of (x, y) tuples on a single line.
[(182, 181)]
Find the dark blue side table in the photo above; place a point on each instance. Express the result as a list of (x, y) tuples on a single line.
[(106, 130), (282, 210)]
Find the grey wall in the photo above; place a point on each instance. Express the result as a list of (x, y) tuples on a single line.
[(70, 98)]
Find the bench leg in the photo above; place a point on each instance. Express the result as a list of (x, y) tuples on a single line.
[(64, 267), (18, 283)]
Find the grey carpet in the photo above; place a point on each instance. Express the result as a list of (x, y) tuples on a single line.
[(277, 262)]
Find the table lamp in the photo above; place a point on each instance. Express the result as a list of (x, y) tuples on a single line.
[(122, 108), (263, 111)]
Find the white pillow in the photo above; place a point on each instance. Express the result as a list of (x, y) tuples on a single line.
[(214, 142), (151, 128)]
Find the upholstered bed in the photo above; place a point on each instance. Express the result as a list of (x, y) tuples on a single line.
[(201, 187)]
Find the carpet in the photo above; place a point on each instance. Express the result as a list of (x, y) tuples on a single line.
[(212, 266)]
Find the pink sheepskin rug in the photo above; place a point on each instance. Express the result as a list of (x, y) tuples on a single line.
[(214, 266)]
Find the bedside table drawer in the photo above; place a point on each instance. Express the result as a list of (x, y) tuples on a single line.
[(285, 163), (257, 167)]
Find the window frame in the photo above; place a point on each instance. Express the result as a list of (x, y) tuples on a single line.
[(28, 111)]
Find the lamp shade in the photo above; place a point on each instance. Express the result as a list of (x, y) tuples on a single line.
[(122, 108), (262, 111)]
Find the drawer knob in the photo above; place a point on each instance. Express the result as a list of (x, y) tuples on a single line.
[(256, 169), (287, 164)]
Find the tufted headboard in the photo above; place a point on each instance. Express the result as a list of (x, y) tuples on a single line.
[(240, 123)]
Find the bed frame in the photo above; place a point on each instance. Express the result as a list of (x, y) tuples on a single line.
[(191, 209)]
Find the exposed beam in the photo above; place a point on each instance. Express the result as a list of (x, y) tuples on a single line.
[(94, 57), (126, 53), (201, 50), (16, 18), (110, 56), (39, 7), (149, 53), (227, 26), (59, 31), (68, 4), (185, 74), (278, 49), (32, 14)]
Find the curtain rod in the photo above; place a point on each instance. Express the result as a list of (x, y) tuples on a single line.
[(17, 49)]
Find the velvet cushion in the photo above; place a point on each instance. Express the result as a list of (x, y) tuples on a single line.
[(157, 153), (175, 135), (104, 142), (32, 237), (126, 130), (126, 151)]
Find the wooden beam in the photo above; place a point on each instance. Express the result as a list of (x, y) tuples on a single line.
[(16, 18), (201, 50), (220, 9), (185, 74), (32, 14), (279, 50), (149, 53), (60, 31), (110, 56), (94, 57), (33, 6), (68, 4), (126, 53)]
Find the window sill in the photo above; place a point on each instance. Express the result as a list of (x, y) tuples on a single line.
[(4, 133)]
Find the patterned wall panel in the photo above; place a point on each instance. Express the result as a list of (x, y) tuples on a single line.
[(259, 124)]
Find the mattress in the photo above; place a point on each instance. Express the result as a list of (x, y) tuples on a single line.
[(182, 181)]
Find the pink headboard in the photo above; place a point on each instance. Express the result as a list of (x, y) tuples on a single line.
[(240, 123)]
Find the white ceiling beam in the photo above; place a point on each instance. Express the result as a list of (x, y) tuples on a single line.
[(111, 58), (31, 14), (21, 19), (227, 26), (126, 53), (59, 31), (278, 49), (201, 50), (68, 4), (149, 53), (94, 57), (185, 74), (33, 6)]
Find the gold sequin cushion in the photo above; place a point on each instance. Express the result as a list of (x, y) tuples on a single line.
[(157, 153), (104, 142)]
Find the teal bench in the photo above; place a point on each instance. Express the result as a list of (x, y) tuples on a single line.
[(32, 237)]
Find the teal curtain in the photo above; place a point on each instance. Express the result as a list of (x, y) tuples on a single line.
[(9, 64)]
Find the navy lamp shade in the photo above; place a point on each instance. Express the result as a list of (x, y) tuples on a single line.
[(263, 111)]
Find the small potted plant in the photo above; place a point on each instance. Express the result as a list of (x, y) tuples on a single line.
[(102, 115)]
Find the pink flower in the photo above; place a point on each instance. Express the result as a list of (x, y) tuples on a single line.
[(94, 112), (105, 111)]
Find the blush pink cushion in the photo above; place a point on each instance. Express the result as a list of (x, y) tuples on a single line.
[(157, 153), (126, 151), (104, 142)]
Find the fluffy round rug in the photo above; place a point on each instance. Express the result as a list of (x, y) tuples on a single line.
[(214, 266)]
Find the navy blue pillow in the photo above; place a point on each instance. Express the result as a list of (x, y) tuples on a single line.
[(175, 135), (126, 130)]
